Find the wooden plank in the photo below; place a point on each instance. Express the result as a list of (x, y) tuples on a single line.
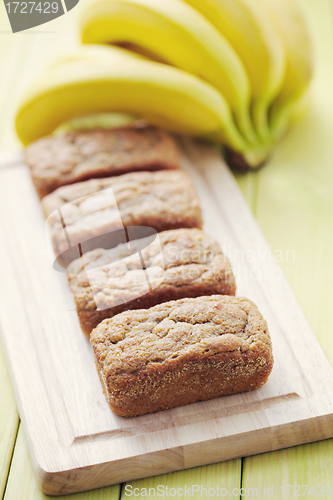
[(8, 422), (218, 476), (76, 443), (22, 481), (210, 481), (294, 209), (308, 470), (9, 418)]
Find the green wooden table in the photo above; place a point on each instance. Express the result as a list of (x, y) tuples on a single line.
[(292, 199)]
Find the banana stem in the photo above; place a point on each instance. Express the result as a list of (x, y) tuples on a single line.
[(252, 159)]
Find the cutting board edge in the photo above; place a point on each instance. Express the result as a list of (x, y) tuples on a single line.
[(183, 457)]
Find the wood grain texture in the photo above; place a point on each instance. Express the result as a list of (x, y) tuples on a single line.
[(210, 481), (310, 467), (22, 481), (75, 441), (8, 423)]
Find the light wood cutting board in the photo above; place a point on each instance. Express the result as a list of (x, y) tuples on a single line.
[(76, 443)]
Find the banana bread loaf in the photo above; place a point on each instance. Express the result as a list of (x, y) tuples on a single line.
[(77, 156), (176, 264), (180, 352), (98, 209)]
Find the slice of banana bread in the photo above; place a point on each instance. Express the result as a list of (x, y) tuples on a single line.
[(77, 156), (180, 352), (80, 213), (176, 264)]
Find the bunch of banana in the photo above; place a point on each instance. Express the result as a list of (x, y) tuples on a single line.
[(229, 70), (117, 80)]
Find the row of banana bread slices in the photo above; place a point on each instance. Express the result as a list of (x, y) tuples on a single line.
[(154, 293)]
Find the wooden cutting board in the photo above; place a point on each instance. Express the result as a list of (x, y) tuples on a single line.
[(76, 443)]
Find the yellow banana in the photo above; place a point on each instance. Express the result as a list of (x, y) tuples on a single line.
[(178, 35), (96, 120), (92, 53), (161, 94), (292, 27), (248, 28)]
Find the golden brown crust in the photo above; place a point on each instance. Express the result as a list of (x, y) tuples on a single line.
[(181, 352), (160, 200), (56, 161), (179, 263)]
